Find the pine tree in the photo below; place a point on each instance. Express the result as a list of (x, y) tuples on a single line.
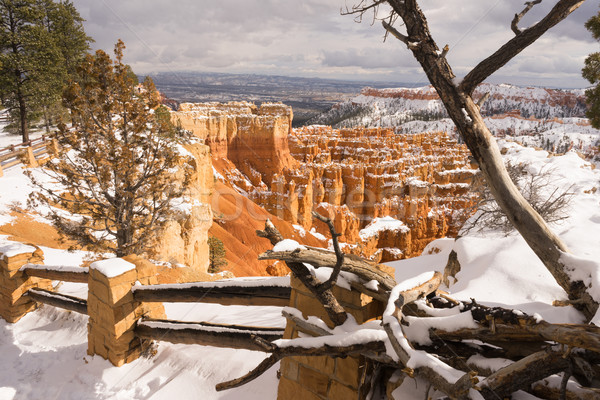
[(216, 255), (122, 173), (38, 38), (591, 72)]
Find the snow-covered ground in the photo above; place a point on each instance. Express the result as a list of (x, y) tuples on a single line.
[(44, 354)]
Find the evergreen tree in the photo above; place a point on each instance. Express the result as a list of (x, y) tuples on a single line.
[(38, 38), (118, 176), (216, 255), (591, 72)]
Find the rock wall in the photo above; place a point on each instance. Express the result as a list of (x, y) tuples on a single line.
[(358, 176), (184, 240), (254, 138)]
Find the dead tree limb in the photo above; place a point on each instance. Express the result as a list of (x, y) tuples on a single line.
[(334, 310), (277, 353), (325, 258), (514, 25), (458, 389), (521, 374), (542, 390), (457, 99), (339, 256)]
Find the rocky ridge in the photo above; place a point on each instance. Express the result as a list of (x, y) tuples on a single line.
[(552, 119)]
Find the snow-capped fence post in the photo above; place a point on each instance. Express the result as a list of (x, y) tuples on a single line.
[(14, 283), (113, 312), (322, 376)]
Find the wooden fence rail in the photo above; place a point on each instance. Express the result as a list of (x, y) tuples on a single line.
[(207, 334), (60, 300), (30, 153), (259, 295), (57, 273)]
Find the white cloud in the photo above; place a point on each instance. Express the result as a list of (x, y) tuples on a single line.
[(311, 38)]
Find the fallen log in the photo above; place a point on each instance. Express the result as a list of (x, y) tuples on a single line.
[(323, 294), (324, 258), (59, 300), (522, 373)]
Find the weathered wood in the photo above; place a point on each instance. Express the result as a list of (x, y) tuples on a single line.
[(228, 295), (457, 99), (270, 232), (289, 351), (204, 334), (55, 273), (332, 307), (59, 300), (306, 326), (521, 374), (543, 391), (418, 292), (250, 376), (339, 256), (403, 348), (324, 258), (177, 323)]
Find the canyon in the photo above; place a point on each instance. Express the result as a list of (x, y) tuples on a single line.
[(388, 194)]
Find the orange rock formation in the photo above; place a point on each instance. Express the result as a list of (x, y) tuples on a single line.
[(356, 176)]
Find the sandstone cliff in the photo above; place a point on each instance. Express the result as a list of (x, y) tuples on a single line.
[(184, 240), (254, 139), (388, 194)]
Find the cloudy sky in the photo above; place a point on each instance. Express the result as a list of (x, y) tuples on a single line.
[(310, 38)]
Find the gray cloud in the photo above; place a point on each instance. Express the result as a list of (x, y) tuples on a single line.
[(311, 38)]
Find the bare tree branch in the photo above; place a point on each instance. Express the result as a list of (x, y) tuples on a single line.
[(336, 247), (515, 22), (510, 49)]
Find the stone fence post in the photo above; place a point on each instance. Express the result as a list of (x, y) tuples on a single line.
[(14, 283), (324, 377), (112, 310)]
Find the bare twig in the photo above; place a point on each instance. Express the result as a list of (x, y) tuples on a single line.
[(517, 44), (515, 22), (336, 247)]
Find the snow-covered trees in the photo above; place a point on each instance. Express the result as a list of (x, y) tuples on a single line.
[(120, 170), (40, 44)]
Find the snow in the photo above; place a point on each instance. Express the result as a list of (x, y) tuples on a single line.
[(11, 249), (112, 267), (418, 328), (47, 355), (288, 245), (383, 224)]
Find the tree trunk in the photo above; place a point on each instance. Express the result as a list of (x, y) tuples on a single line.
[(456, 97)]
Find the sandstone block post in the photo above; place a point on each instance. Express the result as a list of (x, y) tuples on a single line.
[(14, 283), (113, 313), (323, 377)]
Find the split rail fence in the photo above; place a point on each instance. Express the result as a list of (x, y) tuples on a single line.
[(31, 153), (125, 316)]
